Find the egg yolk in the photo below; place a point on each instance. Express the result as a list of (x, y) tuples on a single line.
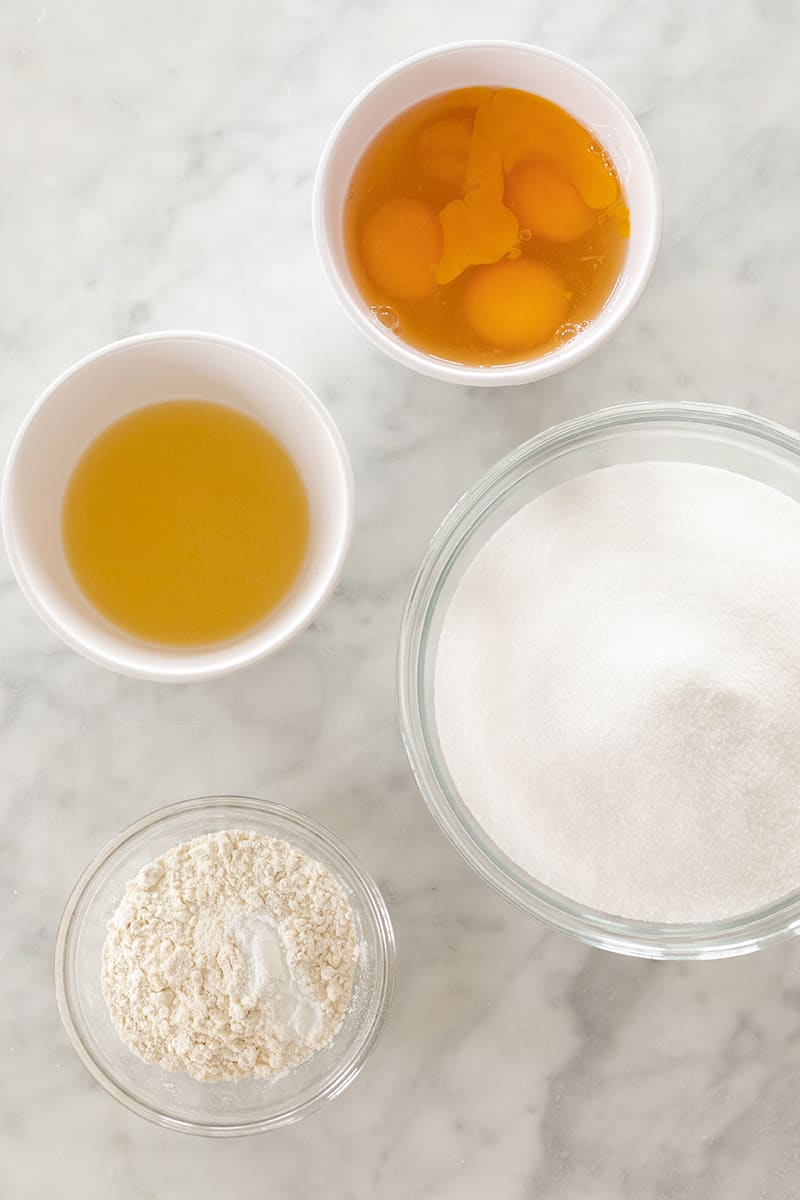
[(444, 149), (477, 229), (402, 243), (546, 203), (529, 129), (515, 303)]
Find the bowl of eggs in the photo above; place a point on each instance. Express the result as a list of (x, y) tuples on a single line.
[(487, 213), (177, 505)]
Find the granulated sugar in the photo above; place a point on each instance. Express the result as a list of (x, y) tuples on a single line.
[(617, 691)]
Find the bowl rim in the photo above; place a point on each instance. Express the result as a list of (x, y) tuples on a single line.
[(503, 374), (738, 935), (192, 664), (374, 910)]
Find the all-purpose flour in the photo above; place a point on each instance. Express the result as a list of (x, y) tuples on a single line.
[(230, 955), (617, 691)]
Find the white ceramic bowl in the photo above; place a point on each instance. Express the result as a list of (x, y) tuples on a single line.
[(499, 64), (104, 387)]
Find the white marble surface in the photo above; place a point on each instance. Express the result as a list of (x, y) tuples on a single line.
[(157, 161)]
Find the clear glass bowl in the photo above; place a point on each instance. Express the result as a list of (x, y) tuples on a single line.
[(706, 434), (174, 1099)]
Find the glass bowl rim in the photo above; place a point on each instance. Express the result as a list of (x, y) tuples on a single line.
[(738, 935), (371, 907)]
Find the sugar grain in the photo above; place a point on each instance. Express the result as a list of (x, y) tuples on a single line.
[(617, 691)]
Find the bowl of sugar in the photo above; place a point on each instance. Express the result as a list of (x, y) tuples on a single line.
[(487, 213), (599, 677), (177, 505)]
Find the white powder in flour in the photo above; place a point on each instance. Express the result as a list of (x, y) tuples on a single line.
[(229, 956), (617, 691)]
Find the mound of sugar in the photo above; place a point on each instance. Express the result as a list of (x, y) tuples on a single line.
[(617, 691)]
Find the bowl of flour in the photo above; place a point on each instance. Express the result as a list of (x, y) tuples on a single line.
[(599, 679), (224, 966)]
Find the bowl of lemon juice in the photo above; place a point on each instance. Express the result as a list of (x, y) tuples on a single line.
[(177, 505)]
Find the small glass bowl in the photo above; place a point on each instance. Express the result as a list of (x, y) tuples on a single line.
[(697, 433), (174, 1099)]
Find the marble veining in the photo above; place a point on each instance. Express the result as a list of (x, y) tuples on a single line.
[(157, 162)]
